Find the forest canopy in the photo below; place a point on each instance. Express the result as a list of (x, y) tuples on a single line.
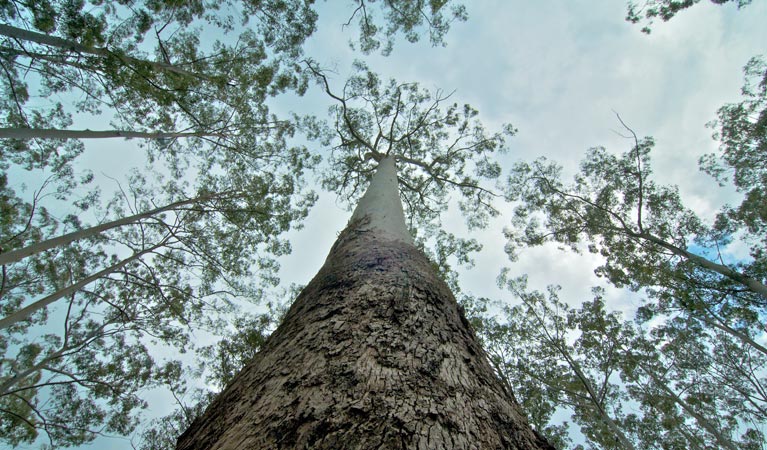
[(169, 170)]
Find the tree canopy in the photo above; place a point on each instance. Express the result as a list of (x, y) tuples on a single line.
[(88, 300), (118, 285), (648, 10)]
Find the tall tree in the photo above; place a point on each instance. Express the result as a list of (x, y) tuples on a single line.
[(374, 352), (648, 238), (533, 348), (444, 147), (186, 268), (701, 354), (189, 269), (665, 384)]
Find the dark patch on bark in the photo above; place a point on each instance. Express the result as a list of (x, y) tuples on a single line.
[(374, 353)]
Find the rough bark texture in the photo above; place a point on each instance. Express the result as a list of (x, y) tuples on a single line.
[(374, 354)]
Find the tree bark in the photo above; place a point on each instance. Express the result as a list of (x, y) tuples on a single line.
[(375, 353)]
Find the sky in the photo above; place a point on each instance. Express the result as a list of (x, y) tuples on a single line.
[(558, 71)]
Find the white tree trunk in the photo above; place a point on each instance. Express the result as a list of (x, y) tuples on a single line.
[(64, 44), (381, 206), (53, 133), (27, 311), (722, 440), (21, 253)]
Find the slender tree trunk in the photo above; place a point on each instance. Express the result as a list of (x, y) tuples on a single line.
[(21, 253), (556, 343), (717, 322), (7, 385), (53, 133), (375, 353), (27, 311), (65, 44), (722, 440), (751, 283), (622, 438)]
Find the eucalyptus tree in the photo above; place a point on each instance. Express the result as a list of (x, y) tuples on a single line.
[(406, 17), (10, 256), (186, 270), (741, 129), (441, 146), (647, 237), (673, 384), (375, 351), (146, 67), (557, 364), (705, 308), (52, 133), (100, 50), (681, 374), (181, 271), (95, 53)]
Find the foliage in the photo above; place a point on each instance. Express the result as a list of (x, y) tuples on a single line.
[(96, 54), (741, 128), (440, 147), (163, 432), (648, 10), (539, 350), (692, 370), (74, 369), (643, 231), (195, 263), (407, 17), (671, 383)]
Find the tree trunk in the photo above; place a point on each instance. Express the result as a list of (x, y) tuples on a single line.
[(21, 253), (53, 133), (374, 353), (594, 398), (751, 283), (65, 44), (27, 311), (722, 440)]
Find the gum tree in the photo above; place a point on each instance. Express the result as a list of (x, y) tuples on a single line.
[(648, 238), (671, 385), (539, 348), (113, 288), (700, 354), (73, 311), (375, 351)]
